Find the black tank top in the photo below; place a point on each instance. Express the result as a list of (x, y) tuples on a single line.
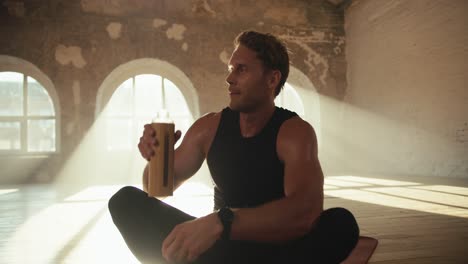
[(246, 171)]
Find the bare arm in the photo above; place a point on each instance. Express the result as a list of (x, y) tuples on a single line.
[(295, 214), (276, 221), (188, 157)]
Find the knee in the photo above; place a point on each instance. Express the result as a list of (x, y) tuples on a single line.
[(339, 233), (343, 221), (124, 199)]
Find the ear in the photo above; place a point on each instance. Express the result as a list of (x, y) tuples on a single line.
[(274, 79)]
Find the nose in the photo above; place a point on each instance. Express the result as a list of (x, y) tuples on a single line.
[(230, 78)]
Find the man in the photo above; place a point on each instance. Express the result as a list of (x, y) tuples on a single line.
[(267, 175)]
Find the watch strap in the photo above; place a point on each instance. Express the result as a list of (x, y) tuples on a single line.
[(226, 216)]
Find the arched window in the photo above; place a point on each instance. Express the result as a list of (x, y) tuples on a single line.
[(28, 116), (129, 97), (288, 98), (136, 102), (299, 95)]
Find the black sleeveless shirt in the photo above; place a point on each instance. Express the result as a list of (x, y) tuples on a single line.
[(246, 171)]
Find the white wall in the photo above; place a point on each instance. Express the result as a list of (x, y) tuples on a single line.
[(406, 107)]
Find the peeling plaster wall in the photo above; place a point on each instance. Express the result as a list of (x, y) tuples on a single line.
[(78, 43), (407, 99)]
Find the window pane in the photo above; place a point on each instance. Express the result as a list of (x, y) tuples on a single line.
[(11, 94), (120, 103), (182, 124), (148, 94), (119, 134), (123, 133), (39, 101), (279, 98), (138, 128), (41, 135), (175, 101), (10, 135), (292, 100)]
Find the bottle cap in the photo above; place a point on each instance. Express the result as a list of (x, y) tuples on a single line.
[(162, 116)]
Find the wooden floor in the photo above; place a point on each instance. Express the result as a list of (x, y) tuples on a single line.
[(416, 220)]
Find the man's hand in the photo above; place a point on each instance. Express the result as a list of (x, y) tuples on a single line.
[(148, 141), (190, 239)]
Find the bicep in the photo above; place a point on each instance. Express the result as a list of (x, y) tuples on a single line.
[(189, 156), (303, 176)]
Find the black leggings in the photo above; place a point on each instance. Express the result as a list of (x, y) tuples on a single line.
[(144, 223)]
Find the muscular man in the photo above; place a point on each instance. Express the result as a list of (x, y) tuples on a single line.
[(268, 180)]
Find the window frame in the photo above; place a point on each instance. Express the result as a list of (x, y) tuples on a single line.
[(144, 66), (280, 99), (135, 118), (27, 69), (147, 66), (310, 97)]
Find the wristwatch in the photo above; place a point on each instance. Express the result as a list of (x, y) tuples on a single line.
[(226, 216)]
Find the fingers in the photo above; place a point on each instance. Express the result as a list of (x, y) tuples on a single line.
[(147, 142), (171, 248), (179, 251), (170, 244), (177, 136), (145, 151), (181, 255), (192, 256), (168, 241), (149, 130), (177, 248)]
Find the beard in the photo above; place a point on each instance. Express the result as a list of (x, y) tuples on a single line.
[(245, 105), (253, 96)]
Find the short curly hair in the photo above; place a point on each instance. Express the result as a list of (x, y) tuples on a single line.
[(270, 50)]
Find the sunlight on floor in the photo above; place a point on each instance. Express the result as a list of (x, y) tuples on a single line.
[(5, 191), (44, 235), (445, 189), (370, 181), (102, 244), (79, 229), (437, 199), (94, 193), (193, 198)]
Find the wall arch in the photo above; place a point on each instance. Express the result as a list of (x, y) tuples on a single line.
[(310, 98), (14, 64), (147, 66)]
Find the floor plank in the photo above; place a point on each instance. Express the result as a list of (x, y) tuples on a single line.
[(417, 220)]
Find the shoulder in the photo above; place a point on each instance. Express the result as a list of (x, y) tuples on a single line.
[(296, 126), (296, 136), (207, 121), (203, 130)]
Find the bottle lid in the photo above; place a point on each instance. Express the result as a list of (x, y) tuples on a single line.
[(162, 116)]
